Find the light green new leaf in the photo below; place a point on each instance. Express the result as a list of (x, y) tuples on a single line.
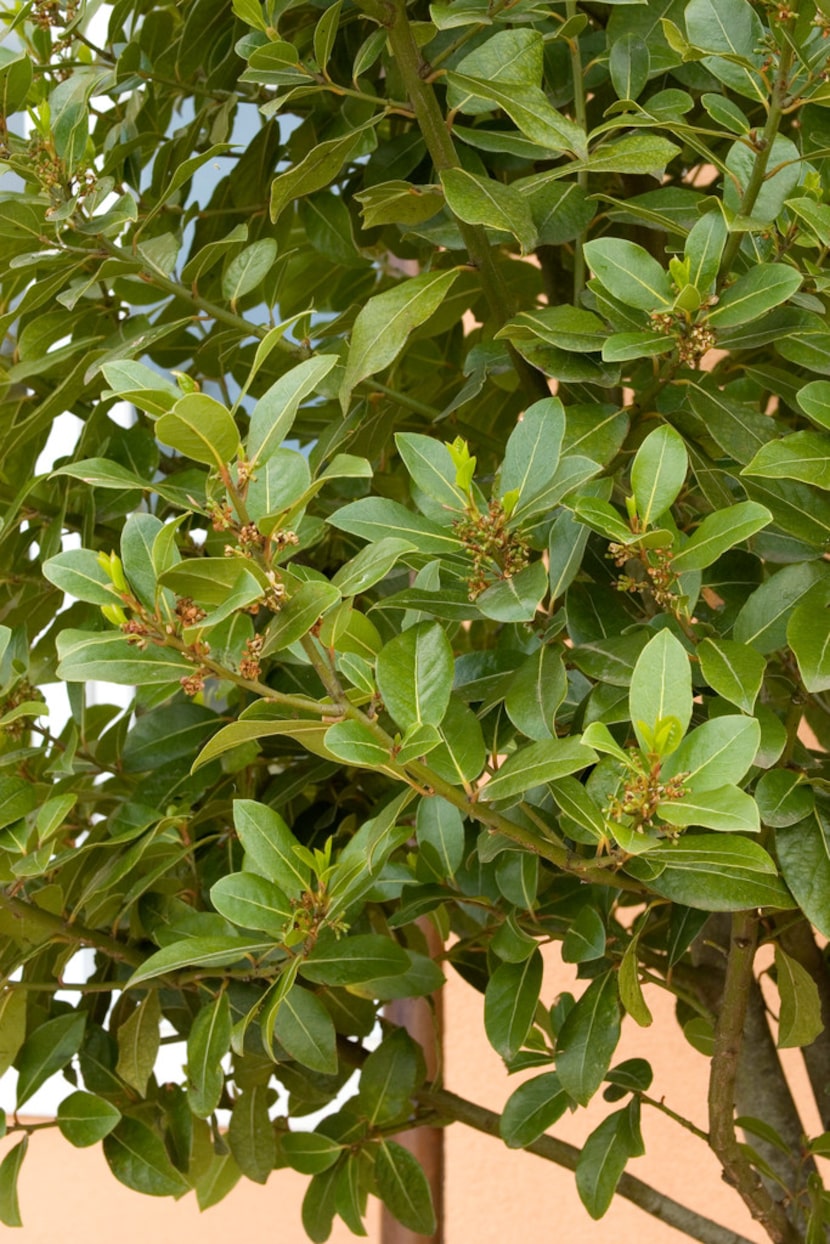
[(414, 675), (658, 473), (720, 532), (384, 323), (733, 670), (799, 1021), (661, 687)]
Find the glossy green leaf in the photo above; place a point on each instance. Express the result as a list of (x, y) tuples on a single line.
[(538, 763), (715, 754), (536, 690), (603, 1159), (309, 1152), (352, 960), (270, 846), (48, 1050), (9, 1176), (484, 201), (720, 532), (252, 902), (661, 687), (137, 1157), (510, 1004), (403, 1187), (658, 473), (414, 675), (273, 416), (758, 291), (629, 273), (534, 1107), (588, 1039), (390, 1078)]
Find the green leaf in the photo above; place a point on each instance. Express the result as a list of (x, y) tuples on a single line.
[(538, 763), (375, 518), (403, 1188), (588, 1039), (9, 1175), (273, 416), (510, 1004), (515, 599), (704, 246), (251, 1134), (385, 322), (713, 872), (252, 902), (200, 428), (532, 453), (814, 400), (78, 573), (317, 170), (631, 991), (460, 756), (198, 952), (783, 798), (763, 617), (47, 1050), (735, 671), (603, 1158), (248, 269), (630, 274), (296, 618), (12, 1026), (799, 1021), (390, 1078), (15, 80), (310, 1152), (483, 201), (808, 634), (528, 108), (804, 855), (270, 846), (352, 960), (716, 754), (585, 938), (84, 1119), (534, 1107), (803, 456), (138, 1043), (305, 1029), (765, 286), (414, 675), (629, 64), (725, 808), (636, 153), (439, 828), (370, 565), (430, 465), (661, 687), (658, 473), (207, 1044), (137, 1157), (354, 743), (536, 690), (720, 532)]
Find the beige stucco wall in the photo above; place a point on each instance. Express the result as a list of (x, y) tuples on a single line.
[(494, 1195)]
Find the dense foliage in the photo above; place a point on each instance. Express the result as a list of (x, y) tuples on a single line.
[(451, 488)]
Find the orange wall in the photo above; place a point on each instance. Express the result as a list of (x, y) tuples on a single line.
[(494, 1195)]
